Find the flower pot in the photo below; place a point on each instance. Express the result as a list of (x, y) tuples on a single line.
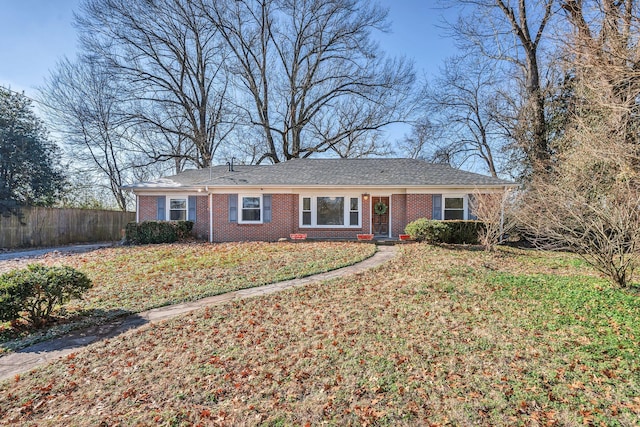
[(405, 237), (365, 236), (298, 236)]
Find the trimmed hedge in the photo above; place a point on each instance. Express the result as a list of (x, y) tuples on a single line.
[(435, 231), (427, 230), (37, 290), (157, 232)]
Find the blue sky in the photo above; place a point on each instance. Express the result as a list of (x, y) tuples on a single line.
[(36, 33)]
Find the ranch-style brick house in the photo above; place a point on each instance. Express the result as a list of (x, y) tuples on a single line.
[(321, 198)]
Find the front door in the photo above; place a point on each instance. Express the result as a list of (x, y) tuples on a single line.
[(380, 216)]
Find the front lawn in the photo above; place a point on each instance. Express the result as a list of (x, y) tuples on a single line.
[(435, 336), (137, 278)]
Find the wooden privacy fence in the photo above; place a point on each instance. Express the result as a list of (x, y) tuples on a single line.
[(37, 227)]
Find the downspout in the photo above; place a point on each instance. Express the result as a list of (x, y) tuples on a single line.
[(137, 208), (206, 188), (504, 194)]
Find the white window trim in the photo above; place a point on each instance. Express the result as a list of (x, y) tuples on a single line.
[(346, 211), (465, 204), (302, 211), (168, 206), (240, 220)]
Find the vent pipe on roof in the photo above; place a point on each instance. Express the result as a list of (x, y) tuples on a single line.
[(230, 164)]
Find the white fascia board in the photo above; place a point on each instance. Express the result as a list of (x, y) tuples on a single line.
[(279, 189), (189, 191)]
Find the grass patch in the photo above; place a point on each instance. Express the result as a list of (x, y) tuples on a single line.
[(137, 278), (436, 336)]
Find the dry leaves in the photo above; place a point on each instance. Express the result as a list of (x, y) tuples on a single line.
[(430, 338)]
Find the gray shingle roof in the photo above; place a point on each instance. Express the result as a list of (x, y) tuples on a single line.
[(328, 172)]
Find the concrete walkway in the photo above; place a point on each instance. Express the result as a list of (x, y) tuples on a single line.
[(32, 253), (44, 352)]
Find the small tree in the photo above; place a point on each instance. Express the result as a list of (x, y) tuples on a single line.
[(37, 290), (495, 211)]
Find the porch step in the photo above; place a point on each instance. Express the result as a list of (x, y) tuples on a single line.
[(391, 242)]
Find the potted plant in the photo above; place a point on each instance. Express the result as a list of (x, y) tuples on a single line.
[(365, 236)]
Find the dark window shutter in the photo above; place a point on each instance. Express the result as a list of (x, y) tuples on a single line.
[(191, 216), (233, 208), (437, 206), (470, 202), (266, 208), (161, 203)]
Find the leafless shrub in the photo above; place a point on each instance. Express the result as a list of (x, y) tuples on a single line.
[(590, 204), (495, 211)]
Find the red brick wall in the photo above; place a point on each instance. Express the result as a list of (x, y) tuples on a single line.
[(366, 216), (201, 226), (419, 206), (398, 214), (285, 218), (148, 211), (283, 206), (147, 208)]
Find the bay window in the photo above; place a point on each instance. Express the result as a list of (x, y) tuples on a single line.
[(330, 211)]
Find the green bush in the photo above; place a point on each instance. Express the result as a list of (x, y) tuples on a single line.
[(37, 290), (12, 297), (435, 231), (464, 232), (157, 231), (427, 230)]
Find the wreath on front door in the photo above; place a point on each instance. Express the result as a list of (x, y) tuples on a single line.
[(380, 208)]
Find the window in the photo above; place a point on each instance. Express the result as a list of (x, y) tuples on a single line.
[(306, 211), (329, 211), (177, 209), (251, 211), (453, 208), (354, 211)]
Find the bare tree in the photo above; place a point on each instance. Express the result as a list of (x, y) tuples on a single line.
[(419, 142), (173, 66), (83, 105), (512, 33), (304, 64), (604, 53), (590, 202), (463, 100)]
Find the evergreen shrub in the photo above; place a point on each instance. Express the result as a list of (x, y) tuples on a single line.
[(147, 232), (436, 231), (36, 291)]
